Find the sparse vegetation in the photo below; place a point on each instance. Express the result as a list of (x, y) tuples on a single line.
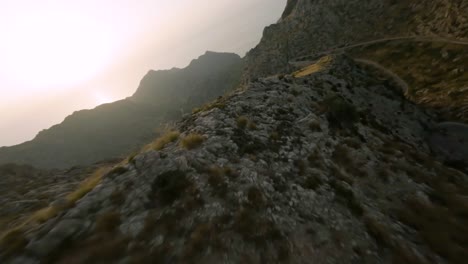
[(202, 236), (315, 160), (117, 197), (117, 170), (378, 230), (107, 222), (229, 172), (209, 106), (313, 182), (14, 239), (322, 64), (88, 185), (162, 141), (255, 197), (275, 136), (342, 156), (242, 122), (192, 141), (217, 180), (170, 186), (13, 242), (340, 113), (440, 224), (131, 158), (315, 126), (252, 125)]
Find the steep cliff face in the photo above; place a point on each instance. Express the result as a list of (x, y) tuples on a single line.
[(310, 26), (425, 43), (117, 129)]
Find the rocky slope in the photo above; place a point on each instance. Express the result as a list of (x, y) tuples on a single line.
[(329, 167), (116, 129), (319, 159), (25, 190)]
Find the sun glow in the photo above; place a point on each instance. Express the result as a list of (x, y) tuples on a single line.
[(102, 98), (52, 48)]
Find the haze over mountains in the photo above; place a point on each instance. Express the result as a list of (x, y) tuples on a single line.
[(116, 129), (62, 56), (340, 138)]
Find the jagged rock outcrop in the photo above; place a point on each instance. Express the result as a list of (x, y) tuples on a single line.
[(331, 167), (116, 129)]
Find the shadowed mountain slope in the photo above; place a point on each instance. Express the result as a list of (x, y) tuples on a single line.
[(116, 129)]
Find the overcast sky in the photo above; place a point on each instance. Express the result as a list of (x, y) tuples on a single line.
[(59, 56)]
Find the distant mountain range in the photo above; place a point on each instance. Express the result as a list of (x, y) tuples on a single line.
[(116, 129)]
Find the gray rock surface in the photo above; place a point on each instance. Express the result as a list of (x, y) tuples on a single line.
[(274, 187)]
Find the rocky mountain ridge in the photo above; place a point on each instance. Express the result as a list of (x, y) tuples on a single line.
[(320, 160), (288, 170), (116, 129)]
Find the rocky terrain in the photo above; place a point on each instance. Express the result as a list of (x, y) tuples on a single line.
[(26, 190), (318, 157), (116, 129), (330, 167)]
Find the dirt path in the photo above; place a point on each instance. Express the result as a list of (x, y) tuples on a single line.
[(415, 38), (404, 86)]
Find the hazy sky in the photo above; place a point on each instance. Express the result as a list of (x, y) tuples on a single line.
[(59, 56)]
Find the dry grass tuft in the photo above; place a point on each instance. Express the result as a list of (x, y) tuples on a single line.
[(315, 126), (13, 242), (192, 141), (378, 230), (255, 197), (320, 65), (242, 122), (87, 185), (163, 140)]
